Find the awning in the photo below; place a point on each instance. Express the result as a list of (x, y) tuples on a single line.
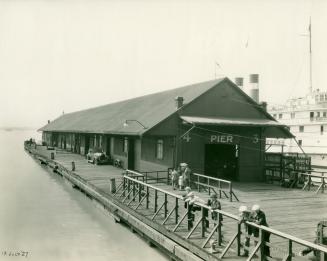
[(273, 128)]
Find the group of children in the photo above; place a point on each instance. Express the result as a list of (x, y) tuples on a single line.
[(257, 216), (181, 176), (213, 203)]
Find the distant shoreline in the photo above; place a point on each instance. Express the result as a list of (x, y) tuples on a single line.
[(17, 128)]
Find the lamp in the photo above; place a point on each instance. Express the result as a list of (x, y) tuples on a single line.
[(127, 121)]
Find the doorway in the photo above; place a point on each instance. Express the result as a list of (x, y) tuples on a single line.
[(87, 144), (131, 155), (221, 161)]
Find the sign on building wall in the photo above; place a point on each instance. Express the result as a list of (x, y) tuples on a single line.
[(220, 138)]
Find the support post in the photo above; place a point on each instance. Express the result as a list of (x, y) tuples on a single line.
[(219, 236), (147, 198), (290, 254), (128, 187), (165, 206), (133, 190), (238, 239), (113, 185), (262, 245), (124, 186), (155, 200), (176, 210)]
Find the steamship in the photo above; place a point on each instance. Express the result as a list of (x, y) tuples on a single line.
[(307, 119)]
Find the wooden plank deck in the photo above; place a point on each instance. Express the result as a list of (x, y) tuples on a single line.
[(291, 211)]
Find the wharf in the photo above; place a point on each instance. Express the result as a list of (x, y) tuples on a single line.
[(291, 211)]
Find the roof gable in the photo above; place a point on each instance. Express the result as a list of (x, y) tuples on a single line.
[(149, 110)]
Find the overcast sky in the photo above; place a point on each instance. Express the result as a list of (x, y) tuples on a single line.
[(70, 55)]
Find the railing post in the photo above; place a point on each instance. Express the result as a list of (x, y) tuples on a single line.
[(128, 187), (124, 186), (309, 182), (155, 200), (140, 191), (230, 192), (262, 244), (146, 177), (189, 217), (198, 183), (165, 206), (147, 197), (208, 185), (176, 210), (133, 190), (322, 182), (168, 177), (203, 222), (219, 184), (290, 254), (238, 239), (157, 177), (219, 237)]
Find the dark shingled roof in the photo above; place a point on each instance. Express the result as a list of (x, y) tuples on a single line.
[(149, 110)]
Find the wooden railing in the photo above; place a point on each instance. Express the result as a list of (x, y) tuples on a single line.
[(141, 194), (219, 186), (158, 176), (313, 177)]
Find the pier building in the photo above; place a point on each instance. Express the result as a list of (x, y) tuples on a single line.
[(214, 126)]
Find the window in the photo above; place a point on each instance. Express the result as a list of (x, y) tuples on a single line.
[(318, 114), (300, 142), (275, 116), (301, 128), (321, 129), (125, 149), (292, 115), (280, 116), (324, 114), (312, 114), (159, 151)]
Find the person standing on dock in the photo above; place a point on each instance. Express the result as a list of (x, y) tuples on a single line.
[(245, 215), (186, 173), (190, 202), (259, 217), (214, 204), (174, 178)]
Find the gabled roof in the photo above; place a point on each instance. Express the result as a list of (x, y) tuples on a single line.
[(148, 110)]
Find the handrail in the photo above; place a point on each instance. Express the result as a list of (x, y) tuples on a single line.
[(217, 186), (153, 187), (313, 175), (262, 229), (212, 178), (134, 173)]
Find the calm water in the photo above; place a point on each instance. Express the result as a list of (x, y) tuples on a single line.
[(40, 213)]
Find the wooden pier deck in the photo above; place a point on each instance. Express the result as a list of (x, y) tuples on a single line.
[(291, 211)]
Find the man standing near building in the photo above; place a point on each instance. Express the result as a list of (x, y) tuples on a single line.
[(186, 173), (259, 217)]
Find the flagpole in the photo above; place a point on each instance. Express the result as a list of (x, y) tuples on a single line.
[(310, 50)]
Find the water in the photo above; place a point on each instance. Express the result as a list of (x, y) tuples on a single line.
[(41, 214)]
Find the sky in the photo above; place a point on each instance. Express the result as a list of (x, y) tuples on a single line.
[(66, 55)]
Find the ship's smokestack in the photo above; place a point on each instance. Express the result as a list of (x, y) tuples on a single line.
[(239, 82), (254, 87)]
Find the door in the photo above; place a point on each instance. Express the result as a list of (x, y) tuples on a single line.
[(87, 144), (221, 161), (131, 154), (108, 145)]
